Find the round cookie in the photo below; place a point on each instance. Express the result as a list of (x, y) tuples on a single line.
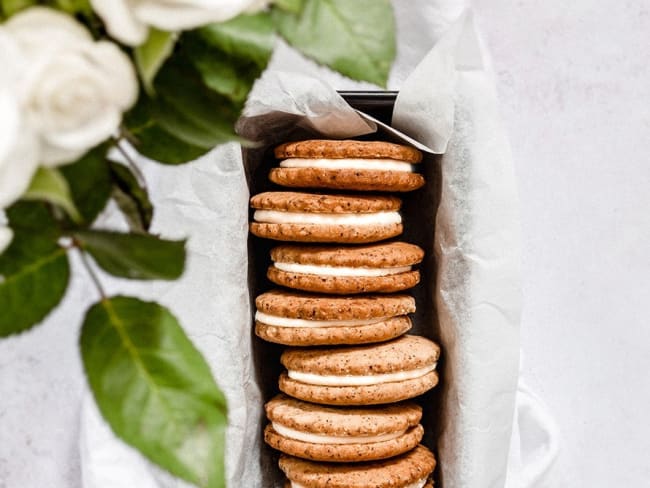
[(409, 470), (347, 165), (301, 319), (361, 375), (339, 149), (320, 433), (311, 217), (375, 268)]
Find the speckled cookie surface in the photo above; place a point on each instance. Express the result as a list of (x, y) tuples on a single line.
[(405, 353), (359, 395), (365, 421), (347, 179), (349, 423), (389, 311), (321, 203), (389, 255), (397, 472), (318, 307), (341, 149), (322, 336), (343, 234), (345, 453), (429, 484)]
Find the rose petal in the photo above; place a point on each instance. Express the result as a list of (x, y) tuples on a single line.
[(6, 235), (120, 21), (18, 167), (172, 15), (9, 124)]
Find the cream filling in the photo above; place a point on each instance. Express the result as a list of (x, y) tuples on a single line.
[(290, 322), (330, 439), (359, 380), (280, 217), (417, 484), (349, 163), (324, 270)]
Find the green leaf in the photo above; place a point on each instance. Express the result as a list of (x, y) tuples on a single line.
[(155, 389), (294, 6), (355, 38), (34, 270), (150, 56), (152, 141), (10, 7), (230, 56), (33, 217), (89, 180), (189, 110), (220, 73), (48, 184), (132, 198), (134, 256), (73, 6), (246, 37), (184, 110)]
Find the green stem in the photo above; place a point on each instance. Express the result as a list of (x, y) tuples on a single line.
[(131, 163), (93, 276)]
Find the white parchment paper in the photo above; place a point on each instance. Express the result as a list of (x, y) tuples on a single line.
[(447, 103)]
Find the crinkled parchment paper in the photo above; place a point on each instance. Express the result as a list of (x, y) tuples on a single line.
[(471, 273)]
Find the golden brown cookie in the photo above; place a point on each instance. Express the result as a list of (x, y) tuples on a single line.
[(429, 484), (322, 433), (373, 374), (310, 217), (341, 149), (347, 165), (410, 469), (301, 319), (376, 268)]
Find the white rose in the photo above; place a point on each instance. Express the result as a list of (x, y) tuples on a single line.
[(129, 20), (19, 148), (73, 90), (6, 235)]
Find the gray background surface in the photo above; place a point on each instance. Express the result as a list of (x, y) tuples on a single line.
[(574, 83)]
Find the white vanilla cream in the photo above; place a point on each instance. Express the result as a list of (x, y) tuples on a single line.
[(349, 163), (289, 322), (281, 217), (417, 484), (330, 439), (324, 270), (359, 380)]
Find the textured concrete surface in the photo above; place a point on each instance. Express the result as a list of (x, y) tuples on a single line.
[(574, 83)]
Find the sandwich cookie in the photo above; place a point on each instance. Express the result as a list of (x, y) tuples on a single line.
[(300, 319), (361, 375), (383, 268), (309, 217), (410, 470), (349, 434), (347, 165)]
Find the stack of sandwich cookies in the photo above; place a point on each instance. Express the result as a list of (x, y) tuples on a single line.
[(347, 165), (345, 418), (300, 319)]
